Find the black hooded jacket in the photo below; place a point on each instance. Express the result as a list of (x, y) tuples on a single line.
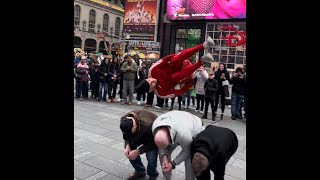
[(238, 84), (217, 76), (218, 144)]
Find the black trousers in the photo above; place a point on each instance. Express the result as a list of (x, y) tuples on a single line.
[(143, 96), (121, 87), (179, 101), (223, 99), (160, 102), (150, 98), (112, 90), (81, 89), (94, 89), (211, 101), (200, 98)]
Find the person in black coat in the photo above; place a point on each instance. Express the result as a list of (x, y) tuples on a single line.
[(221, 75), (211, 150), (94, 85), (113, 72), (143, 74), (238, 91), (103, 80), (210, 89)]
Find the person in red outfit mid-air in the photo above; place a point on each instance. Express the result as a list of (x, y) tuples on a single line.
[(171, 76)]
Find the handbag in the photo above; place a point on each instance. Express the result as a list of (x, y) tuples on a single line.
[(226, 91), (225, 83)]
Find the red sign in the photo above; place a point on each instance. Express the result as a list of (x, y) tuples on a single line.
[(235, 40)]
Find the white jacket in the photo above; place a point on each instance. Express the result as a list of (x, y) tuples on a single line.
[(183, 127)]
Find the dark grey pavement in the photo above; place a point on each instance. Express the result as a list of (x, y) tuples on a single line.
[(99, 147)]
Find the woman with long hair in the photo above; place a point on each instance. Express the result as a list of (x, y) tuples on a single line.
[(113, 72), (221, 75)]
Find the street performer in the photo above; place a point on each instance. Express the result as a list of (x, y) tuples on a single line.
[(171, 76)]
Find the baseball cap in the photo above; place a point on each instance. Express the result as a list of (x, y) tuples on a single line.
[(126, 125)]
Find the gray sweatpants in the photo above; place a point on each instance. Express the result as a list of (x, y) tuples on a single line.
[(128, 84), (187, 163)]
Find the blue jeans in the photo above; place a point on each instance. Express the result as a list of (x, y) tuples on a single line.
[(236, 100), (104, 86), (152, 157), (188, 96)]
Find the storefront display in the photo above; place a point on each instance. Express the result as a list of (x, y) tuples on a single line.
[(230, 40)]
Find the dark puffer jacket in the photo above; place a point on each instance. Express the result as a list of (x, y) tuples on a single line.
[(210, 88), (238, 84), (218, 144)]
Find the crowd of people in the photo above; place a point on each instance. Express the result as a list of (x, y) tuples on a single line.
[(102, 75)]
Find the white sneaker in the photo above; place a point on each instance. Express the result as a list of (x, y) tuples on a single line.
[(209, 43), (139, 103), (207, 58), (201, 112), (169, 101), (157, 107), (119, 100), (196, 110)]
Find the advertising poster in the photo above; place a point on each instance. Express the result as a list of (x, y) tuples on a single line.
[(140, 19), (205, 9)]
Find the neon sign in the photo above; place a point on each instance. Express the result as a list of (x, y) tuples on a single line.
[(234, 40)]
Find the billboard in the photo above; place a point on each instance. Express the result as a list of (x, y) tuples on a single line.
[(140, 19), (205, 9)]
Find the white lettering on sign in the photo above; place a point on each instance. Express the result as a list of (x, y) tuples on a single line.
[(144, 43)]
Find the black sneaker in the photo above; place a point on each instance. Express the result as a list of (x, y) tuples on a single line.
[(166, 105), (222, 117), (239, 117), (233, 118), (215, 114), (171, 108), (204, 116)]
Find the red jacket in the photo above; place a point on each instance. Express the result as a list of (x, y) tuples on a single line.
[(162, 71)]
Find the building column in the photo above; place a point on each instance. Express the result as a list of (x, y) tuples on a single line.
[(82, 43), (97, 46)]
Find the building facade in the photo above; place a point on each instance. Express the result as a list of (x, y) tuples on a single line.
[(93, 17)]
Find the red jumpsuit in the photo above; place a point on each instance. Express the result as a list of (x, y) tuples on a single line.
[(169, 72)]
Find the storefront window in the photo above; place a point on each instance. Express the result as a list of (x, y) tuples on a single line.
[(229, 41), (187, 38)]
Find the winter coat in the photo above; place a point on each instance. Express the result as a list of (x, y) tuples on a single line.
[(143, 136), (94, 75), (200, 80), (210, 87), (103, 68), (130, 74), (81, 72), (113, 69), (238, 85), (184, 126), (218, 144), (217, 76)]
